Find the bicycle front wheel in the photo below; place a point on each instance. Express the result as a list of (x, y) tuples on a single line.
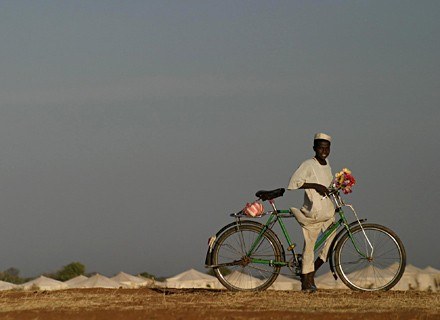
[(370, 261), (238, 270)]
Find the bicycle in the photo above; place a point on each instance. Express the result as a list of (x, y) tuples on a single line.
[(247, 255)]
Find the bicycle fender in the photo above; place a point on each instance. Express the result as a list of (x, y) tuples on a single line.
[(236, 224), (212, 240), (335, 242)]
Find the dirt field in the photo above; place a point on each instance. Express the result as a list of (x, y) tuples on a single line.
[(200, 304)]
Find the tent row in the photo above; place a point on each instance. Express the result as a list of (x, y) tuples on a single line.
[(414, 278), (121, 280), (195, 279)]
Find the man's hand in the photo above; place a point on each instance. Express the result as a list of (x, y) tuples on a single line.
[(323, 191)]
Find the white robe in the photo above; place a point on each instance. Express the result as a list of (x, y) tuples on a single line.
[(317, 213), (315, 208)]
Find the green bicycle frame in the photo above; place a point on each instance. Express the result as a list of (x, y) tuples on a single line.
[(276, 216)]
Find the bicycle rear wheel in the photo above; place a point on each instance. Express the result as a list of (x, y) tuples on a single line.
[(373, 269), (237, 270)]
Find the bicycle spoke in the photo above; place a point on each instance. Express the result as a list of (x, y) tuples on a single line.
[(260, 269), (376, 272), (235, 269)]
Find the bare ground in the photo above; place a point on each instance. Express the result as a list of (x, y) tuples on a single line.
[(131, 304)]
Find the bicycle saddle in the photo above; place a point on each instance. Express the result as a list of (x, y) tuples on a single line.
[(269, 195)]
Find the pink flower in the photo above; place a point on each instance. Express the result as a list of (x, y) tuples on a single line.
[(343, 180)]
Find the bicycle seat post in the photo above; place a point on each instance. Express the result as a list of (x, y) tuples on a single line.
[(272, 203)]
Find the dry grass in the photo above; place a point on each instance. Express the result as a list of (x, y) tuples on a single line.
[(201, 304)]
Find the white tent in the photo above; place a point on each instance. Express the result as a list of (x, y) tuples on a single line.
[(243, 280), (131, 281), (435, 274), (75, 281), (327, 281), (428, 279), (373, 277), (426, 282), (98, 281), (413, 279), (193, 279), (285, 283), (43, 283), (6, 285), (409, 279), (432, 270)]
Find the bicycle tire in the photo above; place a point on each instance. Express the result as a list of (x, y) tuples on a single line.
[(381, 270), (244, 275)]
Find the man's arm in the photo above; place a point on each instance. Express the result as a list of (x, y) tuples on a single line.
[(323, 191)]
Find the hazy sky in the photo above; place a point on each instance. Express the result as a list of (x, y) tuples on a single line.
[(129, 130)]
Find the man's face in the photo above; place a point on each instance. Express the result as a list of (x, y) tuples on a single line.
[(322, 150)]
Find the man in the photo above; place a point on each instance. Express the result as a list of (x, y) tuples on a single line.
[(317, 213)]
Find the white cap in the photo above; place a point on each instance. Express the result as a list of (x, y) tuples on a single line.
[(322, 136)]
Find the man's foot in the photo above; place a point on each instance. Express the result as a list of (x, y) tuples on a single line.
[(318, 264), (312, 280), (307, 283)]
